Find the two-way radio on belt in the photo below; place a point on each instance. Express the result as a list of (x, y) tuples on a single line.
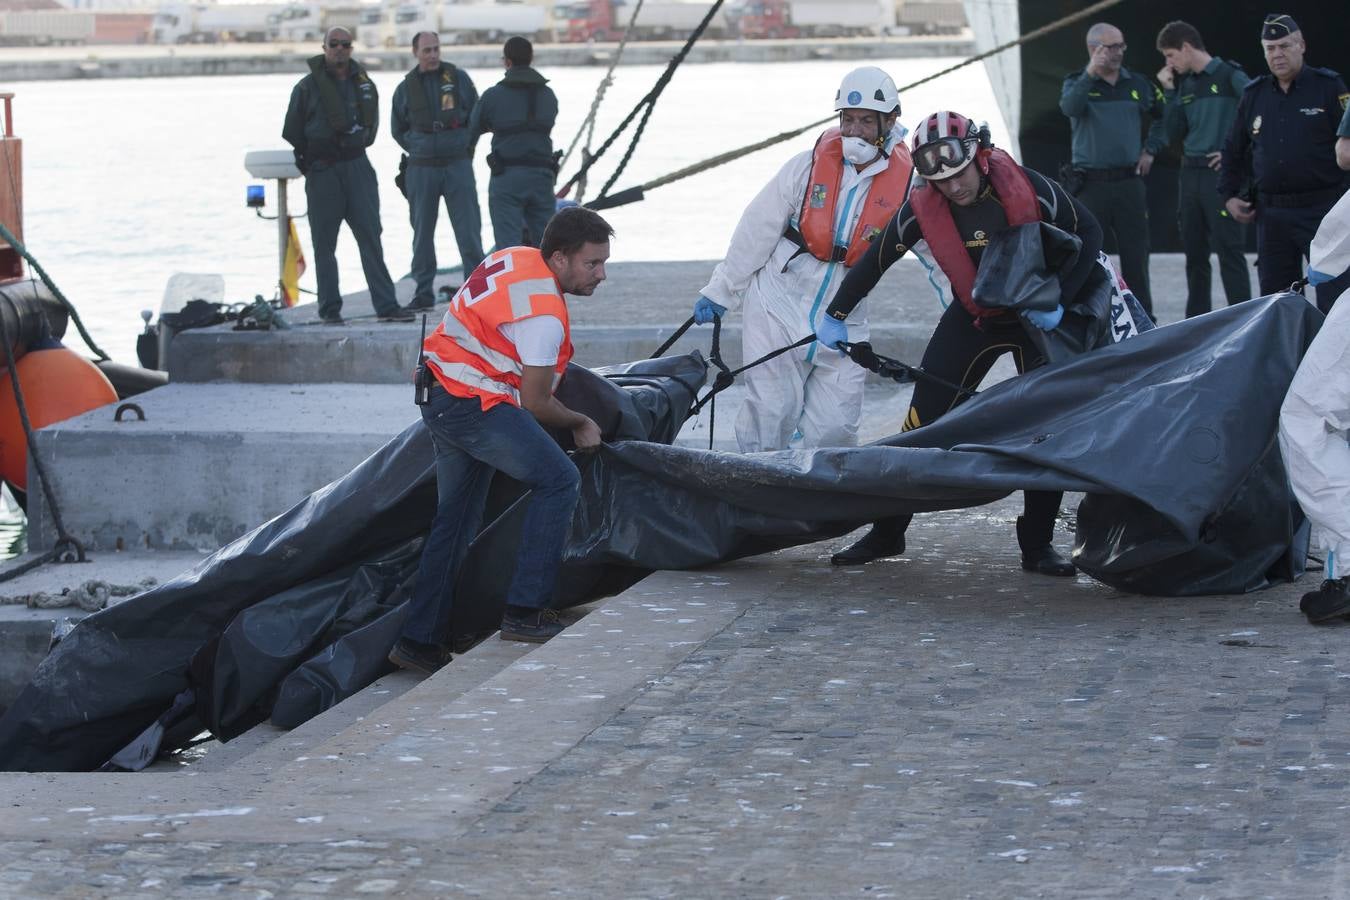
[(422, 374)]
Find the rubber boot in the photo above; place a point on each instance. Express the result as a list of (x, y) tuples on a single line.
[(1038, 553), (887, 538)]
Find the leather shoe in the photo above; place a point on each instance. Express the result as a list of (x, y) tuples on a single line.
[(1047, 561), (421, 303), (397, 314), (879, 543), (1330, 601), (424, 659), (533, 626)]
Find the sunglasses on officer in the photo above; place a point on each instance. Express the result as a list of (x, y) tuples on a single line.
[(944, 153), (333, 45)]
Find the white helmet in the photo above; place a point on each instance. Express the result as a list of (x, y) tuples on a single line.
[(868, 88)]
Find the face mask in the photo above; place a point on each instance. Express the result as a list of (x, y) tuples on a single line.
[(858, 151)]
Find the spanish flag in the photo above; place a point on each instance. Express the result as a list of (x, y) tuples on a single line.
[(293, 268)]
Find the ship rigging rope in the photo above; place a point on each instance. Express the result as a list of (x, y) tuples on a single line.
[(644, 106), (14, 242), (588, 126), (632, 195)]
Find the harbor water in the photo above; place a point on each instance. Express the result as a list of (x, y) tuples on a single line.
[(129, 181)]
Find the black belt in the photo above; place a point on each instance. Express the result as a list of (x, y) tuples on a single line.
[(839, 254), (435, 127), (435, 160), (343, 155), (1301, 199), (1118, 174), (1195, 162)]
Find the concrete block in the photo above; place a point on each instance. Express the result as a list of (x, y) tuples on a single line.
[(209, 463)]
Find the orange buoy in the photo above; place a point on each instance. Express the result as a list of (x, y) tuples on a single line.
[(57, 384)]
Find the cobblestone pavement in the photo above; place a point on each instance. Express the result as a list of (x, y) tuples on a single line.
[(942, 725)]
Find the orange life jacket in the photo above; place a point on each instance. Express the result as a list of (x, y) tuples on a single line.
[(815, 224), (934, 212), (467, 352)]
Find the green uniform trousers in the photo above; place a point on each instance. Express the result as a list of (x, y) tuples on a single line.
[(338, 192), (1205, 226), (1121, 208), (520, 202), (427, 187)]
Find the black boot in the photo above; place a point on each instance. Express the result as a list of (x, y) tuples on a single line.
[(887, 538), (1038, 553), (1330, 601)]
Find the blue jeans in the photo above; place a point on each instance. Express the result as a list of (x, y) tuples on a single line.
[(470, 446)]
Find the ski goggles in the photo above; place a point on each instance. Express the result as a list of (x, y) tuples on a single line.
[(944, 153)]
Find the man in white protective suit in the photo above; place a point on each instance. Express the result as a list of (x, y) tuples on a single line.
[(788, 254), (1315, 425)]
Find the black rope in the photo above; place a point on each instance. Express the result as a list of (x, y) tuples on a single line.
[(901, 373), (645, 105), (67, 548), (661, 351)]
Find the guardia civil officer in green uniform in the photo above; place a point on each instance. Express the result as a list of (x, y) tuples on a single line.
[(332, 119), (1279, 159), (1201, 93), (431, 122), (519, 111), (1109, 108)]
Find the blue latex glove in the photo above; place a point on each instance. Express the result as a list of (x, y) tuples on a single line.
[(831, 331), (705, 310), (1045, 321), (1315, 277)]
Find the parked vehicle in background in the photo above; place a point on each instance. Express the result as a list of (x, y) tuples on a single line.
[(309, 22), (45, 27), (375, 28), (814, 18), (201, 23), (605, 20), (931, 16), (470, 23)]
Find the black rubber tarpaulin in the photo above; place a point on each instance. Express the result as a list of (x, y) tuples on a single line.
[(1170, 434), (295, 609)]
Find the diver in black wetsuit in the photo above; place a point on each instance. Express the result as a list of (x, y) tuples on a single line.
[(955, 211)]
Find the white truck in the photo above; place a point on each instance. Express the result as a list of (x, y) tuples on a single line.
[(581, 21), (375, 29), (210, 23), (308, 22), (470, 23), (45, 27), (813, 18)]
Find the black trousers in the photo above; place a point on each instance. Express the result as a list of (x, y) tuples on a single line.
[(1121, 208), (1283, 238), (962, 354)]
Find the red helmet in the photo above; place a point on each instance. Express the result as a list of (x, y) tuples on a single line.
[(944, 144)]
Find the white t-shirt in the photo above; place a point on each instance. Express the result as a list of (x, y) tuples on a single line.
[(537, 339)]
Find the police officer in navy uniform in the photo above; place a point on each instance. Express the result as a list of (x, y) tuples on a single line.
[(1343, 142), (1283, 144)]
